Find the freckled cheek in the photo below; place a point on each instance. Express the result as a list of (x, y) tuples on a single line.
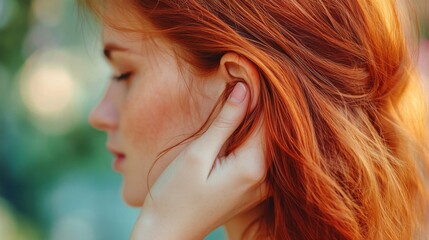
[(152, 120)]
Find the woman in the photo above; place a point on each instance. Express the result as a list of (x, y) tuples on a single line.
[(279, 119)]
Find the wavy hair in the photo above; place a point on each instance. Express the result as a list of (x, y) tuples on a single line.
[(344, 115)]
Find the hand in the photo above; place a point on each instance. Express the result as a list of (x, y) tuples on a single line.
[(197, 192)]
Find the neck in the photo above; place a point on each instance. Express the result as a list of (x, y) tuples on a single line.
[(237, 226)]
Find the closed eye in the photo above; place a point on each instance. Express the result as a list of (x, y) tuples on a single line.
[(122, 76)]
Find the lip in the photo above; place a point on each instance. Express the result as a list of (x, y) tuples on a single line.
[(119, 158)]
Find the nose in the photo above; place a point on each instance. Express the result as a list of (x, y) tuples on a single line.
[(104, 116)]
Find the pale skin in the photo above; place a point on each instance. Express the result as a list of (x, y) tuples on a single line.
[(153, 104)]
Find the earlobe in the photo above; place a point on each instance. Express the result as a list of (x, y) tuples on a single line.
[(238, 68)]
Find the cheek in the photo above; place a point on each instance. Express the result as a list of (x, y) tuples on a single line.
[(154, 117), (151, 121)]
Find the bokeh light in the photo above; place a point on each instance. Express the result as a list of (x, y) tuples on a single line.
[(71, 228), (13, 227), (48, 89), (8, 225)]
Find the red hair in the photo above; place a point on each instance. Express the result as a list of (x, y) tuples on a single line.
[(344, 119)]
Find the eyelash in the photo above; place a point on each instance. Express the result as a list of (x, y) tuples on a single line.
[(122, 76)]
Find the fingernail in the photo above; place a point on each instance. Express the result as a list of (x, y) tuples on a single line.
[(238, 94)]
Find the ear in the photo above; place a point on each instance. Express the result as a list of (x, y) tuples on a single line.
[(234, 67)]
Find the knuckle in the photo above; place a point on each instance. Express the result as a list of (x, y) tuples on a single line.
[(223, 122), (261, 192), (253, 175), (193, 156)]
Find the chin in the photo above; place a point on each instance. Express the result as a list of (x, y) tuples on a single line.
[(132, 198)]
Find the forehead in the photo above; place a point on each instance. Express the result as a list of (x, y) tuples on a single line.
[(126, 18), (122, 26), (123, 14), (138, 46)]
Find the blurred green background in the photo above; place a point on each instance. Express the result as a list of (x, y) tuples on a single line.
[(56, 180)]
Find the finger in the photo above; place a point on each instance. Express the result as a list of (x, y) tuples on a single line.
[(210, 143), (244, 171), (247, 164)]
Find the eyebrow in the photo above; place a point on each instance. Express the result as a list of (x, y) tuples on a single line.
[(111, 47)]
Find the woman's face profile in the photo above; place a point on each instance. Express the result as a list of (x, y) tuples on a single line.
[(149, 105)]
